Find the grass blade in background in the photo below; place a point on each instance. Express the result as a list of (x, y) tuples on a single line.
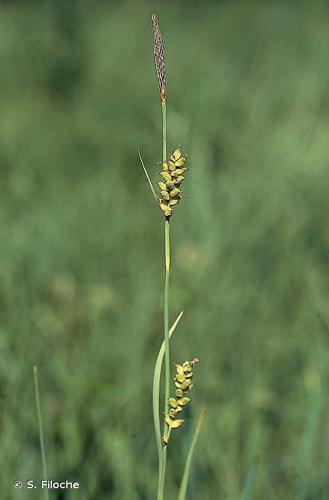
[(307, 445), (249, 485), (40, 424), (187, 470)]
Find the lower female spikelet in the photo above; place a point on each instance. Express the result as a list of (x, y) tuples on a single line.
[(172, 175), (183, 384)]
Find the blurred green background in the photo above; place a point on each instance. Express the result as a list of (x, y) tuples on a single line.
[(81, 254)]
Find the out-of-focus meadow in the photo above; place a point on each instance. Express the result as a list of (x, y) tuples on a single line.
[(81, 254)]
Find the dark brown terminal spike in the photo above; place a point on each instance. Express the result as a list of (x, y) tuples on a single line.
[(159, 58)]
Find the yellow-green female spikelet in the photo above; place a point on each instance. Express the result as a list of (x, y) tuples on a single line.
[(182, 380), (172, 174)]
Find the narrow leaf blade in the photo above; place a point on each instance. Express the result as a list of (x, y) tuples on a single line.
[(156, 391), (147, 176)]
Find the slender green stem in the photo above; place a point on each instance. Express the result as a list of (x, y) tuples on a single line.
[(41, 437), (166, 312), (167, 355), (167, 270), (164, 131), (166, 317)]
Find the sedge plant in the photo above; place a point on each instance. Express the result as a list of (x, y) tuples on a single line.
[(167, 196)]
